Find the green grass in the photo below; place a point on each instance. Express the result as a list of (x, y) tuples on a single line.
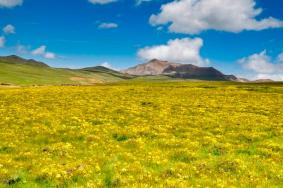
[(27, 74)]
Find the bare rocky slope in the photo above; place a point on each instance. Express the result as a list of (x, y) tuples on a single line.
[(177, 70)]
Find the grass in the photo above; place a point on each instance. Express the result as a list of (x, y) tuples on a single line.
[(142, 133), (26, 74)]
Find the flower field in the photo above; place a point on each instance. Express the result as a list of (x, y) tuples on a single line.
[(142, 134)]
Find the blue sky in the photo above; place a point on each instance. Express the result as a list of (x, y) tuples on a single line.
[(123, 33)]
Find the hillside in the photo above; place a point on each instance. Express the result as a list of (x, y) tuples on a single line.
[(18, 71), (15, 70), (105, 70), (16, 60), (176, 70)]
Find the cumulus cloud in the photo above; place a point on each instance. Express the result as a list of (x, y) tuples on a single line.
[(106, 65), (10, 3), (39, 51), (9, 29), (49, 55), (101, 1), (108, 26), (109, 66), (259, 63), (263, 67), (2, 42), (195, 16), (42, 51), (184, 50)]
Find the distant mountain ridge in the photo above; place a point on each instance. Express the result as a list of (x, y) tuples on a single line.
[(177, 70), (102, 69), (18, 60), (15, 70), (153, 67)]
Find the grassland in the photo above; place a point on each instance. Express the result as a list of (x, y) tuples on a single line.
[(142, 134), (26, 74)]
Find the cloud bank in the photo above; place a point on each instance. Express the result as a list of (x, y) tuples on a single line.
[(195, 16), (263, 67)]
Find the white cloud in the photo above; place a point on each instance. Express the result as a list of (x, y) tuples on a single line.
[(259, 63), (262, 66), (9, 29), (184, 50), (10, 3), (41, 51), (109, 66), (108, 26), (195, 16), (2, 42), (49, 55), (101, 1)]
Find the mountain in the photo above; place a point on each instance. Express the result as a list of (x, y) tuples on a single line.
[(18, 60), (15, 70), (153, 67), (243, 80), (177, 70), (263, 81), (105, 70)]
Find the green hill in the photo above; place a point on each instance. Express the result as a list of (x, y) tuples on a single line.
[(18, 71), (104, 70)]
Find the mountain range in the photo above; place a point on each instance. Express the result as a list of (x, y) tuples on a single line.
[(15, 70), (177, 70)]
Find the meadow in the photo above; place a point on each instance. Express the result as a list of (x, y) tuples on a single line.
[(142, 134)]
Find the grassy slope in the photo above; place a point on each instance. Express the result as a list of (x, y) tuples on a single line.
[(23, 74), (101, 69)]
